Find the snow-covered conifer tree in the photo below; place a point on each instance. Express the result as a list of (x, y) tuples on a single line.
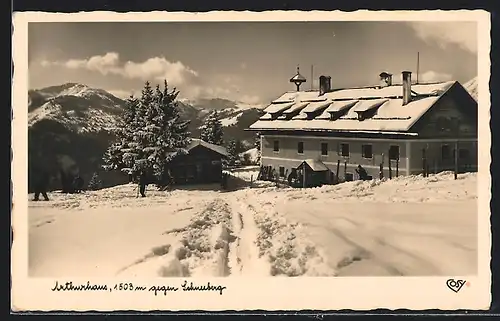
[(174, 134), (151, 135), (141, 138), (234, 148), (211, 130), (95, 182), (258, 147), (121, 154)]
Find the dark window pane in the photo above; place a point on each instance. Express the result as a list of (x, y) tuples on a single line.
[(276, 147), (344, 150), (445, 152), (300, 147), (394, 152), (367, 151), (324, 149)]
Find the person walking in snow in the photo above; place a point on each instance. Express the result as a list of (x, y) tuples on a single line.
[(142, 183), (170, 179), (41, 185), (363, 175), (78, 184), (290, 178)]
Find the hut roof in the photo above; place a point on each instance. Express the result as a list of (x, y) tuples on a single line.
[(315, 165)]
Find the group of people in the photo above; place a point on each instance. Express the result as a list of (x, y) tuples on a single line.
[(42, 181), (41, 186)]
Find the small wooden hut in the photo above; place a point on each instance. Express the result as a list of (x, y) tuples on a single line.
[(312, 172), (202, 164)]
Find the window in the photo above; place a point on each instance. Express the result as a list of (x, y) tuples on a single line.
[(324, 149), (300, 148), (445, 152), (282, 171), (394, 152), (344, 150), (367, 151), (276, 146), (463, 153)]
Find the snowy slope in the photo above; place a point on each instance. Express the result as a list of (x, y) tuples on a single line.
[(76, 106), (221, 104), (471, 87), (232, 120), (410, 226), (252, 155)]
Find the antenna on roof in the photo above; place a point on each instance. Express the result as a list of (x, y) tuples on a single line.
[(312, 76), (418, 63)]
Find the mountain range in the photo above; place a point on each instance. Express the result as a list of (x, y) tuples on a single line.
[(72, 124)]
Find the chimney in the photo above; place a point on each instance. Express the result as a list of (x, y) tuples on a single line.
[(325, 84), (385, 79), (406, 87)]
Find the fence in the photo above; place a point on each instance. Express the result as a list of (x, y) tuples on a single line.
[(455, 164)]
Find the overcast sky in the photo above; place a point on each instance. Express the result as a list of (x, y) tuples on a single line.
[(250, 62)]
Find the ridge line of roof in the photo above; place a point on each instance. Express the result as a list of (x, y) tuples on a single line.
[(372, 86)]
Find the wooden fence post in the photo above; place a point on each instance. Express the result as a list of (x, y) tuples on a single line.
[(304, 175), (456, 148), (338, 171), (424, 163)]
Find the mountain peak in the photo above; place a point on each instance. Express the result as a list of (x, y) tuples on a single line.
[(471, 87)]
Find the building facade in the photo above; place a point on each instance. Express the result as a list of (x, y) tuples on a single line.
[(202, 164), (399, 126)]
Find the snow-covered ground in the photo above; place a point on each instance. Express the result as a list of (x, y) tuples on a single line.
[(411, 226)]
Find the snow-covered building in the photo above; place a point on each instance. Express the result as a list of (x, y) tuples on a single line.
[(201, 164), (398, 123)]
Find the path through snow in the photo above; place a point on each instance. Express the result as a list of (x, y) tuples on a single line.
[(407, 226)]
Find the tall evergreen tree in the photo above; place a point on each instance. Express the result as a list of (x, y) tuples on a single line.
[(142, 137), (151, 133), (121, 154), (174, 136), (234, 148), (258, 147), (211, 130)]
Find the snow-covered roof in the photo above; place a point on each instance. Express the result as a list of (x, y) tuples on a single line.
[(390, 113), (277, 107), (216, 148), (316, 165), (295, 107)]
